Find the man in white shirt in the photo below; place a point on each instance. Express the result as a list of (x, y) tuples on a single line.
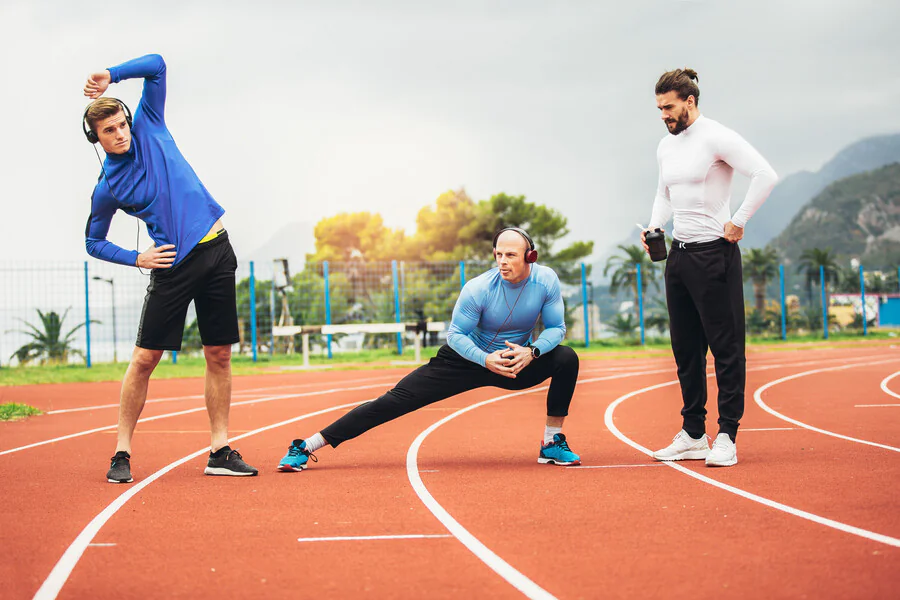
[(704, 283)]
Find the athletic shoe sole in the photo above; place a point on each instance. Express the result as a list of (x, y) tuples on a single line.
[(224, 471), (550, 461), (689, 455), (290, 469), (120, 481), (727, 463)]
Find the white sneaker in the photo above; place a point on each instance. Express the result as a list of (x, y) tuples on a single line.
[(723, 453), (684, 447)]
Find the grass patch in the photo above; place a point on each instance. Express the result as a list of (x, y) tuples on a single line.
[(11, 411)]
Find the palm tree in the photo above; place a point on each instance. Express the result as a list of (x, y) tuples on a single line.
[(48, 344), (623, 324), (760, 265), (624, 271), (810, 261)]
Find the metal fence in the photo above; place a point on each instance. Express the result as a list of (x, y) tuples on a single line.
[(97, 305)]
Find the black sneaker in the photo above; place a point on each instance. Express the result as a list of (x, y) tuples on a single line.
[(120, 468), (226, 461)]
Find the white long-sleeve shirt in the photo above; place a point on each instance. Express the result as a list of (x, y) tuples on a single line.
[(695, 173)]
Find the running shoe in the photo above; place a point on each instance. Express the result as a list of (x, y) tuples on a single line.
[(684, 447), (557, 452), (723, 453), (120, 468), (228, 462), (296, 458)]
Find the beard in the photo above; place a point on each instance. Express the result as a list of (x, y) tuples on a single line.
[(678, 125)]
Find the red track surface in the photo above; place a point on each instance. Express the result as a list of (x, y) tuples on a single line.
[(641, 530)]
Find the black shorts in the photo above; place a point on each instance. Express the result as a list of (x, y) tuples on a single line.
[(205, 276)]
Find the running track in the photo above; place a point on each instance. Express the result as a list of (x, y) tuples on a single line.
[(450, 500)]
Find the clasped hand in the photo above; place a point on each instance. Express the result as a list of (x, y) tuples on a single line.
[(509, 361)]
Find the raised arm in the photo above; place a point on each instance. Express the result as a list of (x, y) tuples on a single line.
[(466, 315), (152, 68), (743, 158)]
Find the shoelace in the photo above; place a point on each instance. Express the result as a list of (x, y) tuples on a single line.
[(233, 453), (297, 451), (720, 444), (564, 445)]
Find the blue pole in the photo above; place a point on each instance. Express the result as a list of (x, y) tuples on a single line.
[(174, 357), (327, 304), (272, 317), (253, 310), (640, 302), (87, 317), (462, 274), (397, 306), (584, 303), (898, 278), (862, 293), (783, 304), (824, 301)]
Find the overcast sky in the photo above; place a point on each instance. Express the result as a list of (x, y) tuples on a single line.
[(293, 111)]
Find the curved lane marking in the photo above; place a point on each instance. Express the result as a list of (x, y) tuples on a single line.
[(885, 388), (608, 420), (63, 568), (757, 396)]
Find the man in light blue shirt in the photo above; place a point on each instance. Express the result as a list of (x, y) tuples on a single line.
[(487, 345)]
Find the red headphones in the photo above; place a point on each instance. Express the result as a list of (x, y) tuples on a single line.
[(531, 254)]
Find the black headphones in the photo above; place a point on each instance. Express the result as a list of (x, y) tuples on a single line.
[(89, 131), (531, 254)]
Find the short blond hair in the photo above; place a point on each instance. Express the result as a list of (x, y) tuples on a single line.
[(101, 109)]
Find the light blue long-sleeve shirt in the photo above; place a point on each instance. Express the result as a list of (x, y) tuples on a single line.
[(491, 311)]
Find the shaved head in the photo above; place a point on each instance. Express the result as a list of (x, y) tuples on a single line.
[(513, 238), (510, 256)]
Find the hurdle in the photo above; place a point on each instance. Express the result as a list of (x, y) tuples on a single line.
[(304, 332)]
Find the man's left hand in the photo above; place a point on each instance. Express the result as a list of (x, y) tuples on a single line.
[(733, 233), (519, 356)]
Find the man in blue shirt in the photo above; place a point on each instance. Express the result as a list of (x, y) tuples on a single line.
[(487, 345), (146, 176)]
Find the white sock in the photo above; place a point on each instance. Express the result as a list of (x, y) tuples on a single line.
[(549, 432), (315, 442)]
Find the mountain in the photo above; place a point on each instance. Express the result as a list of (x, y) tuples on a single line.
[(795, 190), (293, 241), (857, 217)]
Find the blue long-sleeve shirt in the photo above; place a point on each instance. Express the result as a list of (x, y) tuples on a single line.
[(152, 181), (484, 306)]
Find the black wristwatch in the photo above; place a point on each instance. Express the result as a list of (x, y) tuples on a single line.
[(535, 351)]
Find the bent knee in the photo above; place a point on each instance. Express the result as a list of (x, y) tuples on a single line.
[(566, 357)]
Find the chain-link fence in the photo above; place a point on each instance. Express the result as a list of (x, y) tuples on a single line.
[(89, 311)]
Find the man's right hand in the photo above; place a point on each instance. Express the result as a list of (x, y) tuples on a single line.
[(499, 365), (644, 239), (157, 258), (96, 84)]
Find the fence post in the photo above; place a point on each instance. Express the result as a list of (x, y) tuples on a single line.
[(174, 357), (272, 317), (397, 305), (327, 305), (862, 293), (640, 292), (824, 301), (584, 303), (87, 318), (462, 274), (783, 304), (253, 310)]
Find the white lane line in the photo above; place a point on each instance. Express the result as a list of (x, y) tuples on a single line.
[(608, 420), (515, 578), (615, 466), (873, 405), (363, 538), (63, 568), (193, 410), (743, 430), (99, 545), (235, 393), (884, 385), (757, 396)]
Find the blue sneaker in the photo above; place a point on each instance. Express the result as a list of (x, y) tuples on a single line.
[(296, 458), (557, 452)]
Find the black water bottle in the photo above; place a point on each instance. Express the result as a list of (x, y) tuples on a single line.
[(656, 241)]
